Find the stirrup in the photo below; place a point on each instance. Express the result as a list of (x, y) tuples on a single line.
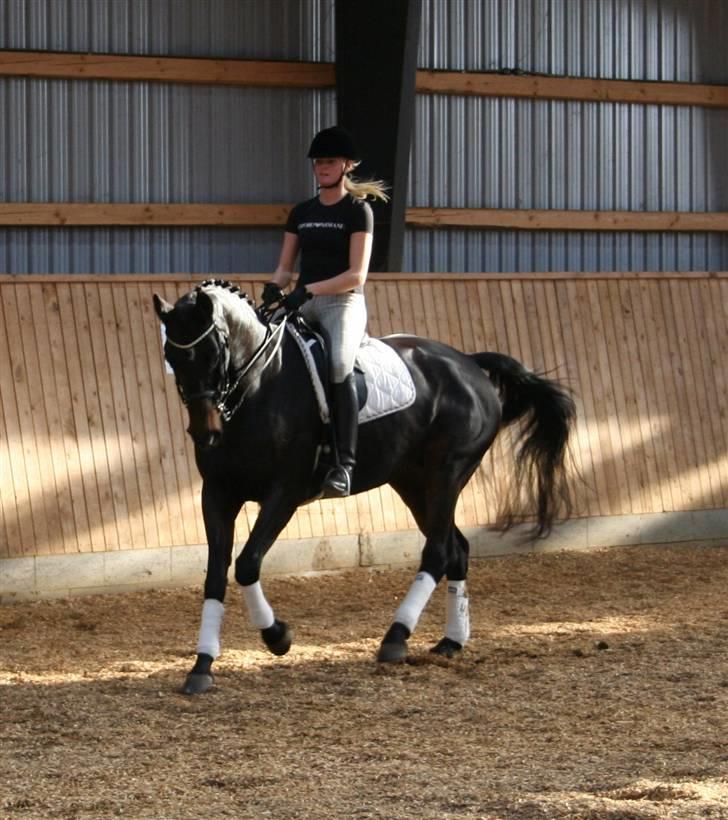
[(337, 483)]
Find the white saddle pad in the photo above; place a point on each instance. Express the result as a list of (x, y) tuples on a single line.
[(389, 384)]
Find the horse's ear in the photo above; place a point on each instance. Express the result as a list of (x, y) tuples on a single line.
[(161, 306), (204, 302)]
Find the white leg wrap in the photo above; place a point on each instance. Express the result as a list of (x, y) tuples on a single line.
[(457, 623), (259, 610), (209, 641), (409, 611)]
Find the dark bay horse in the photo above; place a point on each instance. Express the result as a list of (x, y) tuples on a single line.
[(257, 433)]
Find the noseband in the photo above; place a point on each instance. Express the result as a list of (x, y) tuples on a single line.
[(228, 383)]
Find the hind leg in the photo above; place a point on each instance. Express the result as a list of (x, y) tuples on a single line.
[(433, 508), (394, 643), (457, 615)]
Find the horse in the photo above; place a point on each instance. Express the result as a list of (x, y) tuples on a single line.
[(258, 433)]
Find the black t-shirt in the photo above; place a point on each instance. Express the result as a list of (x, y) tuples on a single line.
[(323, 235)]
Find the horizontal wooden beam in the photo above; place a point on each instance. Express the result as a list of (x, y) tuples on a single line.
[(442, 276), (566, 220), (570, 88), (77, 214), (265, 73), (286, 74)]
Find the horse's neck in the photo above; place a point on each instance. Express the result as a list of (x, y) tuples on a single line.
[(245, 331)]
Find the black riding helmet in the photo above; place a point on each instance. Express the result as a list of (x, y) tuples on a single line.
[(333, 142)]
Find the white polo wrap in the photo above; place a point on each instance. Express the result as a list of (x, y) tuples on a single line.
[(409, 611), (457, 612), (260, 611), (209, 641)]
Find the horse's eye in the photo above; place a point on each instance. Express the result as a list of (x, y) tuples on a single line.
[(178, 357)]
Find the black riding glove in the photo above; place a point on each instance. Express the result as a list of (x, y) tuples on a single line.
[(295, 299), (271, 293)]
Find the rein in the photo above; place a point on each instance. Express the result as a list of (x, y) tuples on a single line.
[(270, 336), (224, 391)]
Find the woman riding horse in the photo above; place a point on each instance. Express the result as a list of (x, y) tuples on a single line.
[(255, 422), (333, 232)]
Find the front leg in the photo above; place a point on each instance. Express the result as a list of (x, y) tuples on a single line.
[(219, 511), (275, 513)]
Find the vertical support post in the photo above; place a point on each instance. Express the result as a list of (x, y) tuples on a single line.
[(376, 67)]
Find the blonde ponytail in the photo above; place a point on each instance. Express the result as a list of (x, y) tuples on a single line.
[(365, 188)]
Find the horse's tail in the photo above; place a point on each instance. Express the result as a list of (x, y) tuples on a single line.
[(548, 413)]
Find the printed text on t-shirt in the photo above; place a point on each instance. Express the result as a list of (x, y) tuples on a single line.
[(339, 226)]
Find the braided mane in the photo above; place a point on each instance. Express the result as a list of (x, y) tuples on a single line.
[(225, 285), (235, 317)]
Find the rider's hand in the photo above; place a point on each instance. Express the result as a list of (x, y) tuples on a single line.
[(271, 293), (296, 298)]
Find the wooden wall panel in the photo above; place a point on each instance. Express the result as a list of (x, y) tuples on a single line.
[(93, 453)]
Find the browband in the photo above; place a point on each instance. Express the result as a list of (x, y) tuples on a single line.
[(193, 343)]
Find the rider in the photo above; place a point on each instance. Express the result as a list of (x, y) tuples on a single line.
[(333, 232)]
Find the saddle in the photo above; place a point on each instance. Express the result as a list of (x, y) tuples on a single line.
[(383, 382)]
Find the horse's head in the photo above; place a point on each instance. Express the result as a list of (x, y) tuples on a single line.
[(197, 350)]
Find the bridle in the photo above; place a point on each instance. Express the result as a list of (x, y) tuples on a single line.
[(188, 345), (229, 382)]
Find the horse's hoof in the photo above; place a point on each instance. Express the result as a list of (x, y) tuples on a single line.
[(197, 683), (277, 638), (447, 648), (392, 653)]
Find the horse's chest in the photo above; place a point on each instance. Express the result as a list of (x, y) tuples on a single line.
[(234, 464)]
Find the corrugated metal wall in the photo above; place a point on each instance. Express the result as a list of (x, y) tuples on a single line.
[(78, 141), (506, 153), (678, 40), (116, 142), (244, 29)]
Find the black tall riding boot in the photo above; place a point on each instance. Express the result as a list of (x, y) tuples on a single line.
[(345, 417)]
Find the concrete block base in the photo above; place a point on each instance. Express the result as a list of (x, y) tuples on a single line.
[(53, 576)]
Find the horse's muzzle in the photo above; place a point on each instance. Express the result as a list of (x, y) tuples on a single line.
[(205, 426), (206, 441)]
